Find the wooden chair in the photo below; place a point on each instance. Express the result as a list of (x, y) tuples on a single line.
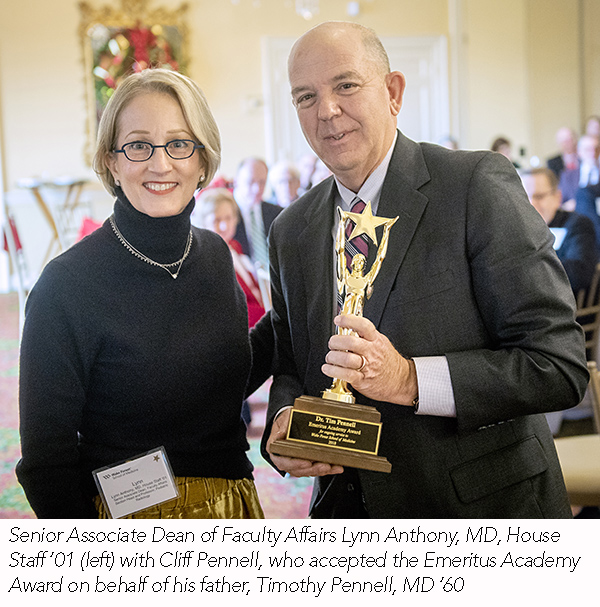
[(580, 455), (588, 315)]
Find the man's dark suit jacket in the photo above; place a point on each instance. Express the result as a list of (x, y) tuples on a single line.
[(269, 212), (569, 183), (585, 204), (471, 274), (556, 164), (578, 252)]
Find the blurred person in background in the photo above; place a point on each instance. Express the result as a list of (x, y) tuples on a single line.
[(284, 179), (217, 210), (257, 215), (567, 159), (503, 146), (584, 176), (320, 173), (592, 126), (306, 166), (575, 236), (448, 142)]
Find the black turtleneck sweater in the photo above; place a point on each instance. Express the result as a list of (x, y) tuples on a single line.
[(118, 358)]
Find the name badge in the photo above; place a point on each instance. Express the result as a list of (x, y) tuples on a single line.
[(135, 484)]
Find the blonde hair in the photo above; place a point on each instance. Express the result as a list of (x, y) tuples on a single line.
[(193, 104)]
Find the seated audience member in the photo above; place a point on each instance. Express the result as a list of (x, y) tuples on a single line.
[(256, 214), (566, 140), (284, 179), (586, 175), (217, 210), (448, 142), (503, 146), (592, 126), (575, 238), (589, 169), (306, 166)]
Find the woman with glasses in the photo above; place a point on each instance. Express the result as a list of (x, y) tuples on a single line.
[(137, 337)]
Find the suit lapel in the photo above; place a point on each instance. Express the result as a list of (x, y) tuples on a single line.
[(399, 197), (242, 238), (317, 266)]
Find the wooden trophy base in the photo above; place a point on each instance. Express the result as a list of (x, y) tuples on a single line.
[(322, 430)]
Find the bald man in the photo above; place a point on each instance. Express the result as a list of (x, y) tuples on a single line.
[(469, 335), (256, 214)]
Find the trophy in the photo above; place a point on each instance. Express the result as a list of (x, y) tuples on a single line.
[(333, 428)]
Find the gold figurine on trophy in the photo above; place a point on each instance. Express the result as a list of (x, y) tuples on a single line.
[(333, 428), (354, 284)]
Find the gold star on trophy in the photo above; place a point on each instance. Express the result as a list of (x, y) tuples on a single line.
[(366, 223)]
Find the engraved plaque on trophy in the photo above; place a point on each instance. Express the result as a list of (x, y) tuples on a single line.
[(333, 428)]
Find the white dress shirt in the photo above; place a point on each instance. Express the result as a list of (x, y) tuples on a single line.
[(588, 175)]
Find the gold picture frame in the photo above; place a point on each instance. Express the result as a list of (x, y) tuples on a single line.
[(118, 40)]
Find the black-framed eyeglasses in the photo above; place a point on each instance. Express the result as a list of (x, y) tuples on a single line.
[(140, 151)]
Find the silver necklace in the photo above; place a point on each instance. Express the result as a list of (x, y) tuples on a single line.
[(139, 255)]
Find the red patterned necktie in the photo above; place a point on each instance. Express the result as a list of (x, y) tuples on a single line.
[(357, 245)]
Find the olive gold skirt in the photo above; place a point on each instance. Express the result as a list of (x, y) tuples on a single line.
[(202, 498)]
